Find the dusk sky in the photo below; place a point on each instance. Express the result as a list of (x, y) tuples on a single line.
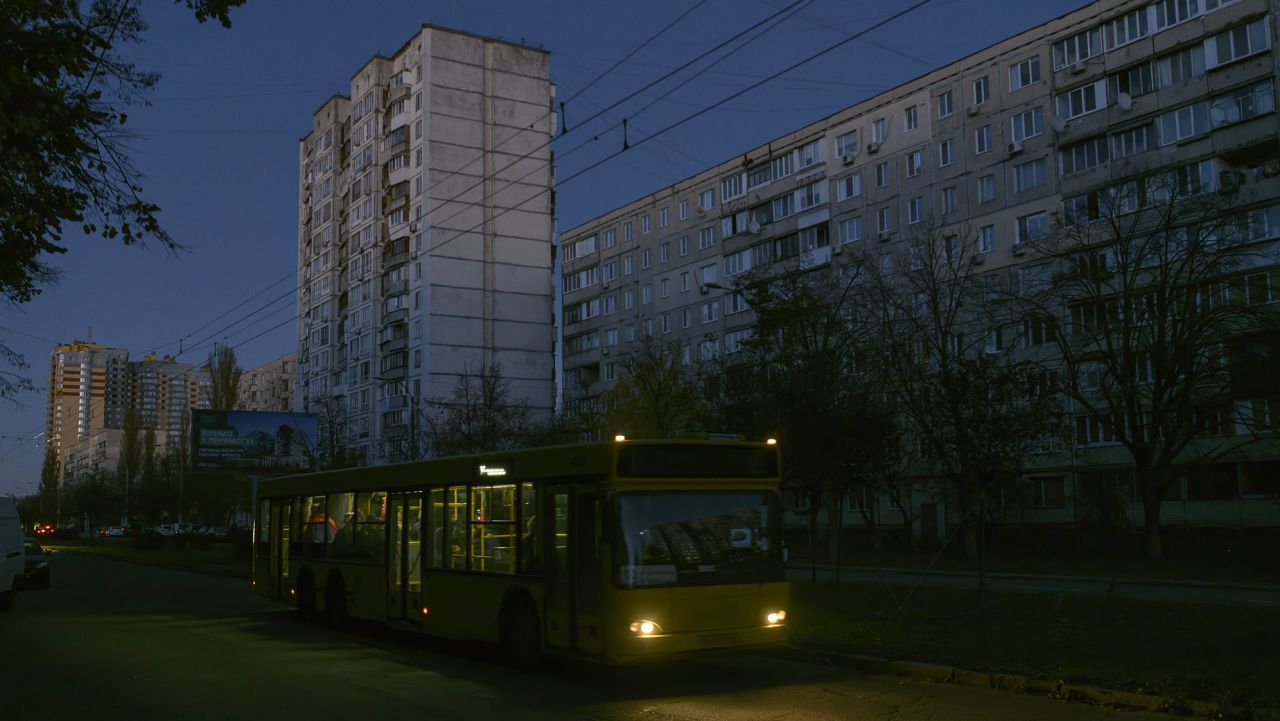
[(218, 145)]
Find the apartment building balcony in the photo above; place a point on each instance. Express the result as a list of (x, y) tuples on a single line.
[(395, 287), (1253, 137), (394, 343), (403, 90), (395, 316), (395, 373)]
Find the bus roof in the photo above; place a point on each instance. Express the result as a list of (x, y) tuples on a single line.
[(583, 461)]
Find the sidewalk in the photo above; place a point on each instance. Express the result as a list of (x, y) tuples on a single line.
[(1143, 589)]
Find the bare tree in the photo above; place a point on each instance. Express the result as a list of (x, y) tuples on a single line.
[(1143, 286), (656, 395), (329, 450), (480, 416), (945, 357), (224, 376)]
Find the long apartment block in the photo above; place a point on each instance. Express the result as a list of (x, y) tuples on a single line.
[(424, 243), (999, 142)]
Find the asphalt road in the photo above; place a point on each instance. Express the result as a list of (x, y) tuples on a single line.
[(1131, 588), (115, 640)]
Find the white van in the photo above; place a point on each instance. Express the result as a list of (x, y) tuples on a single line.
[(12, 558)]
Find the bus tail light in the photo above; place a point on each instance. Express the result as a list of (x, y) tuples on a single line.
[(776, 617)]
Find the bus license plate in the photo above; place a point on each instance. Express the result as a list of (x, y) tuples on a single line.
[(718, 639)]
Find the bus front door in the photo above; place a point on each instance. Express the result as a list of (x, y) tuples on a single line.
[(404, 560), (574, 582)]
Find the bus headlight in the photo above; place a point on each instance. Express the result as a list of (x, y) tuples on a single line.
[(776, 617), (645, 628)]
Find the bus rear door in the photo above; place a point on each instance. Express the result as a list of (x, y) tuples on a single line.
[(404, 561)]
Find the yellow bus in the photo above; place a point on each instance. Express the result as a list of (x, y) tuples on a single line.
[(614, 551)]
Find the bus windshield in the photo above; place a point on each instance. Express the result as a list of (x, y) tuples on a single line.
[(694, 538)]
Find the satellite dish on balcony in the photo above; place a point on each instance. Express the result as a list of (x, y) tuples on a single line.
[(1124, 100)]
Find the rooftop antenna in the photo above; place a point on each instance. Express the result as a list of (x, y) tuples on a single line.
[(90, 334)]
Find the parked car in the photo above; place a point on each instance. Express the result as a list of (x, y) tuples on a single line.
[(165, 529), (12, 565), (182, 529), (46, 531), (116, 532), (36, 573)]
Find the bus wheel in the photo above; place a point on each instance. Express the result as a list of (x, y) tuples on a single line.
[(306, 596), (519, 634), (335, 600)]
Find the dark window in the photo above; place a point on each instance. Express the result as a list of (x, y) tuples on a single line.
[(1212, 482)]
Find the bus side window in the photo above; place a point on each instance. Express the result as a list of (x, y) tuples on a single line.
[(370, 525), (435, 527), (456, 553), (531, 534), (316, 531), (340, 516)]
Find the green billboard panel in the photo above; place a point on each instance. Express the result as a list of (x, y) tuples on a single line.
[(253, 442)]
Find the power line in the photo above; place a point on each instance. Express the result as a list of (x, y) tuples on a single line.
[(637, 49), (614, 104), (228, 311), (692, 116), (239, 320), (31, 335), (781, 16), (607, 108)]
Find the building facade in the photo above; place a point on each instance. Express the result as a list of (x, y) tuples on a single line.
[(424, 244), (88, 392), (92, 388), (1008, 142), (269, 387)]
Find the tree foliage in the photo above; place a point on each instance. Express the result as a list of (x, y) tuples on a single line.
[(64, 143), (224, 377)]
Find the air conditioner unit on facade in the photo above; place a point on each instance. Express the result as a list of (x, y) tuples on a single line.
[(1017, 249), (977, 260), (848, 158), (413, 226), (700, 210), (972, 110), (1015, 147), (885, 235), (873, 148)]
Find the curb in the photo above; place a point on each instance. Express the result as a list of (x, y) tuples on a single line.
[(1120, 580), (1059, 690)]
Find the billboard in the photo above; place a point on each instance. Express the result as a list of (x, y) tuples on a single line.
[(252, 441)]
